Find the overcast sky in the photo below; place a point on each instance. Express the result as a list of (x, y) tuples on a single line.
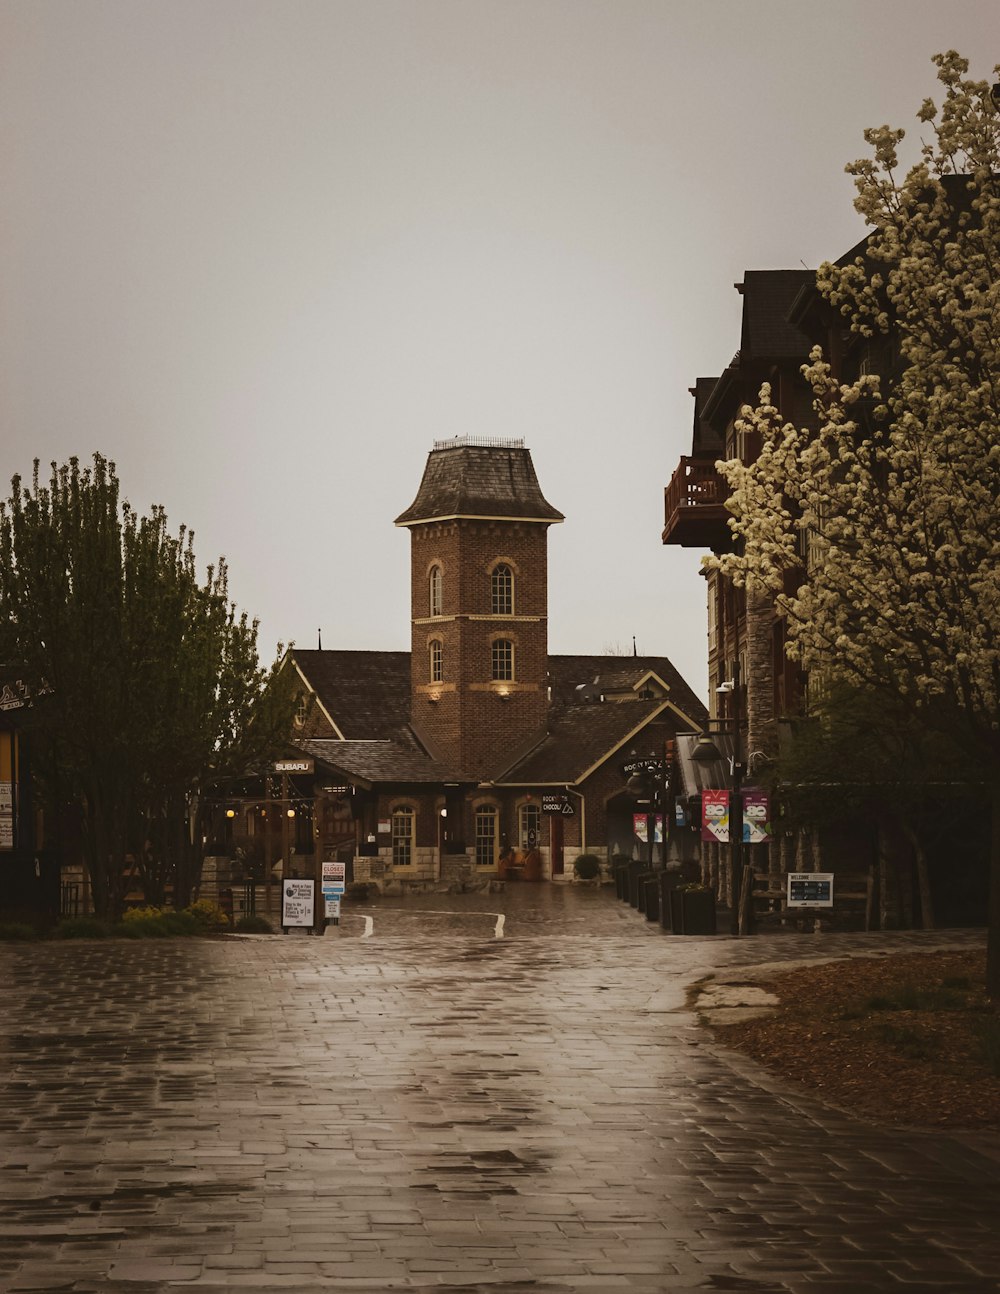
[(262, 255)]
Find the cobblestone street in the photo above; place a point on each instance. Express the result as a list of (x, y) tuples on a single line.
[(432, 1097)]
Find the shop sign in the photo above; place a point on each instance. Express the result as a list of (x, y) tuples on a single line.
[(558, 803), (649, 764), (294, 765)]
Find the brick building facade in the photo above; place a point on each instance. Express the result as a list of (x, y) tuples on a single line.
[(477, 751), (784, 315)]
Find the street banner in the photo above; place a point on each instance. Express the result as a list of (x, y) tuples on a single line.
[(297, 903), (639, 828), (715, 816), (756, 817)]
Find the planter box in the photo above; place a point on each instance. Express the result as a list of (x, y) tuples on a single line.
[(692, 912)]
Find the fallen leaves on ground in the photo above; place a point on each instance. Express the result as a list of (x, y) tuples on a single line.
[(907, 1039)]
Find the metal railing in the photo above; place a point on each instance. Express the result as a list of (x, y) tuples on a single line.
[(479, 442)]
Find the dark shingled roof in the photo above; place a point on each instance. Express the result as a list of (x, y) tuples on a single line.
[(365, 693), (767, 302), (580, 737), (470, 480), (566, 673), (378, 761)]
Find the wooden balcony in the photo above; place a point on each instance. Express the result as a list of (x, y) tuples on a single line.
[(695, 507)]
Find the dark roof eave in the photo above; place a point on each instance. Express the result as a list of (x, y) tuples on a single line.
[(405, 521)]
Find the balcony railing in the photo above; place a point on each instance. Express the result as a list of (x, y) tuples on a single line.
[(695, 506)]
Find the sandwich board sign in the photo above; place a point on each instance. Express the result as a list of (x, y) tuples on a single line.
[(297, 903)]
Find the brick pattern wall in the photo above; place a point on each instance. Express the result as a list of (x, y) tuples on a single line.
[(477, 724)]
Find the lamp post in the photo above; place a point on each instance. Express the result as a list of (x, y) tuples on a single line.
[(732, 687)]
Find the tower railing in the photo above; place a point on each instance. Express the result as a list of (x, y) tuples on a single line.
[(480, 442)]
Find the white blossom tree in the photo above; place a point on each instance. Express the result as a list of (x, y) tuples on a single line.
[(892, 493)]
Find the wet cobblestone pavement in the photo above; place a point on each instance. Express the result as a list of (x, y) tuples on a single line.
[(433, 1098)]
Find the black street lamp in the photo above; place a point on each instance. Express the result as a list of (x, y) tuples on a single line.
[(649, 783), (732, 688)]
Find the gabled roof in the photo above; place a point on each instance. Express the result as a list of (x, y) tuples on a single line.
[(367, 697), (567, 673), (490, 479), (580, 739), (376, 762), (366, 694)]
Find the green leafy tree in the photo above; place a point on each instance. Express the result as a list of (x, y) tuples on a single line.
[(153, 685), (896, 482)]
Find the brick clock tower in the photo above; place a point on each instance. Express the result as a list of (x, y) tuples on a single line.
[(479, 661)]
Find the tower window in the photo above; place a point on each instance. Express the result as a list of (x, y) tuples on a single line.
[(436, 660), (486, 836), (502, 591), (402, 836), (435, 591), (502, 664)]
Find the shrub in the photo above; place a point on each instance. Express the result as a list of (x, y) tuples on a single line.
[(140, 914), (82, 928), (251, 924), (152, 923), (16, 930), (208, 916), (587, 867)]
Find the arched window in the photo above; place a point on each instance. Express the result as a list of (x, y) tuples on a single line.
[(502, 591), (529, 827), (301, 709), (435, 590), (403, 819), (502, 659), (436, 654), (486, 836)]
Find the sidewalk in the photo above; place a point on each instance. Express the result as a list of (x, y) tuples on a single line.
[(432, 1106)]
